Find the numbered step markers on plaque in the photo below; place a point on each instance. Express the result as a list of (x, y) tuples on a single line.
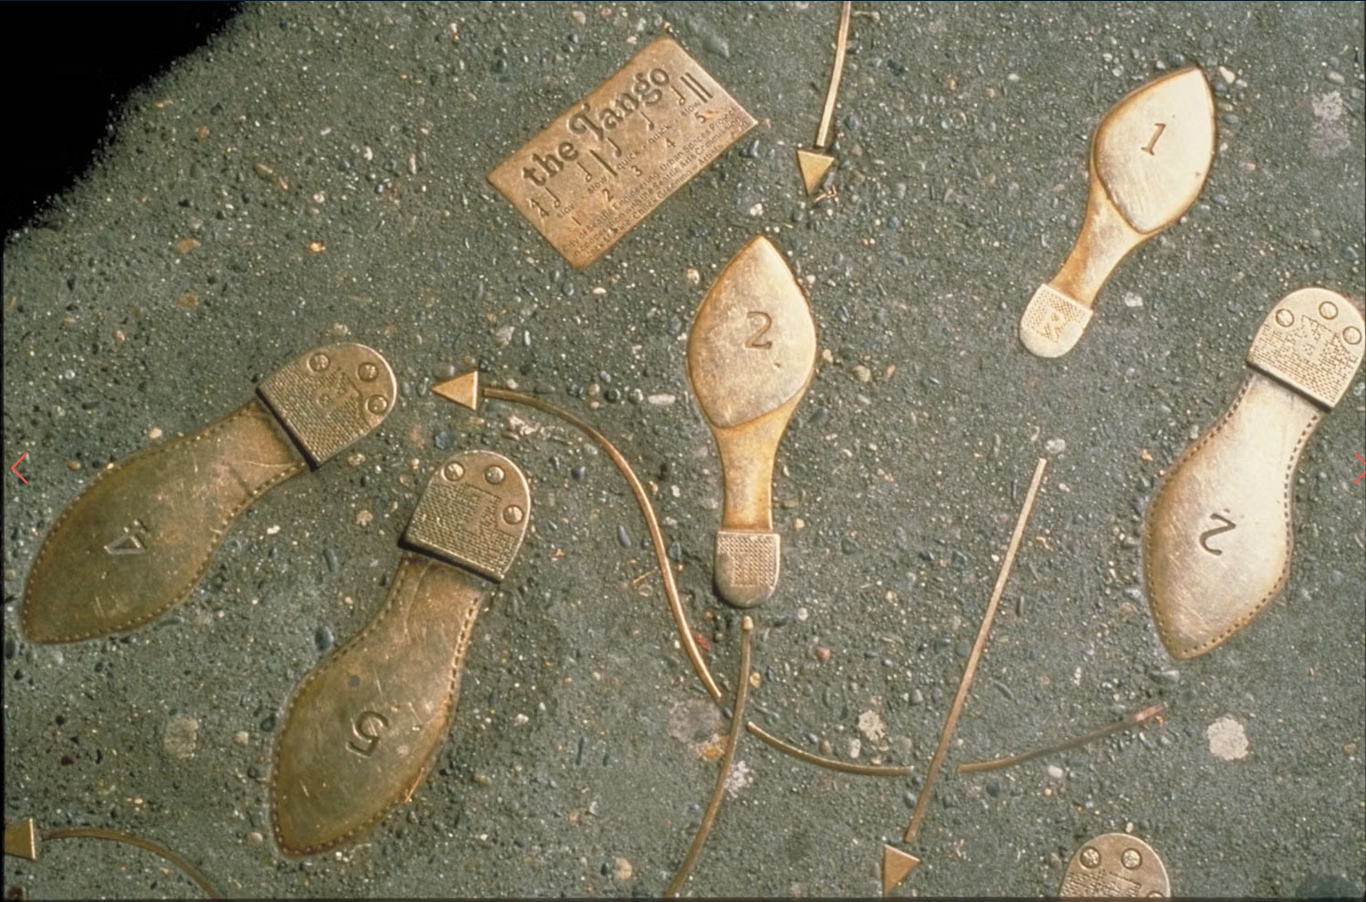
[(608, 161)]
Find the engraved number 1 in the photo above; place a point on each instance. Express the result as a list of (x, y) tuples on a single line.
[(1161, 127)]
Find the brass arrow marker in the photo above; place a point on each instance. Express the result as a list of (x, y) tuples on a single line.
[(1149, 160), (896, 867), (21, 840), (974, 658), (814, 164)]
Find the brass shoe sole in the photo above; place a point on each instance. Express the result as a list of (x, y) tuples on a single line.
[(361, 731), (751, 358), (136, 542), (1218, 538), (1149, 160)]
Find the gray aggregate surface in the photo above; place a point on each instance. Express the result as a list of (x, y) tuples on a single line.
[(328, 163)]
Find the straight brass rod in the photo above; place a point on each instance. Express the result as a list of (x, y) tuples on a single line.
[(841, 47), (956, 709), (737, 718), (1130, 720)]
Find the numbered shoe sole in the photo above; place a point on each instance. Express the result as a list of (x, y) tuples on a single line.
[(136, 542), (1149, 160), (1217, 542), (364, 726), (751, 358)]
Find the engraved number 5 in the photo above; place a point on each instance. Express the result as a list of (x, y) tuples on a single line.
[(368, 727)]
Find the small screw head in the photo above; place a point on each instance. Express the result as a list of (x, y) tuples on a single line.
[(453, 471), (1328, 310), (377, 404), (319, 362), (494, 475), (1090, 857), (513, 514), (1131, 859), (367, 372), (1285, 317)]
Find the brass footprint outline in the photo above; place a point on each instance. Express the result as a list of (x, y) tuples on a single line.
[(1242, 470), (747, 382), (185, 495), (1135, 192), (403, 669)]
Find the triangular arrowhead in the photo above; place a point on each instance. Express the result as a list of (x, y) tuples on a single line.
[(896, 864), (814, 166), (22, 840), (463, 390)]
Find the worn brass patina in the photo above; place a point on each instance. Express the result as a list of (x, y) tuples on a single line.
[(1115, 865), (751, 357), (1149, 160), (1218, 536), (364, 726), (815, 163), (137, 541), (608, 161)]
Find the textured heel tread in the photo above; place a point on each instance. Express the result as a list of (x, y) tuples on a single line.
[(1312, 343), (331, 397), (1052, 323)]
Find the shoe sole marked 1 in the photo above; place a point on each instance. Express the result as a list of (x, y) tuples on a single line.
[(1149, 160)]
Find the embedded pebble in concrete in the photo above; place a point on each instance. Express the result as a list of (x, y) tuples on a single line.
[(180, 736), (1227, 739)]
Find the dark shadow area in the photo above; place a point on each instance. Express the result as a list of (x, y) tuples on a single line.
[(60, 99)]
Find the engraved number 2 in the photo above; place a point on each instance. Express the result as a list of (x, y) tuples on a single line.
[(1228, 526), (1161, 127), (368, 727), (764, 322)]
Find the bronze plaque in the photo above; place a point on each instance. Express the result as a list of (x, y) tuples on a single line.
[(609, 160)]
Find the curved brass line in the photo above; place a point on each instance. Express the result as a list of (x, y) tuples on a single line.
[(1130, 720), (670, 587), (742, 690), (651, 523), (871, 770), (157, 849)]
